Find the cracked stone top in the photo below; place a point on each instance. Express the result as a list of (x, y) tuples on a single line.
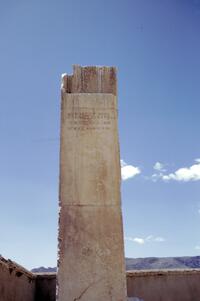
[(90, 79)]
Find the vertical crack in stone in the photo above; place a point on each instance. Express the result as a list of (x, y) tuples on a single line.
[(86, 289)]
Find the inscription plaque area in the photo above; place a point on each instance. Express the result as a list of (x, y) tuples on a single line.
[(90, 150), (91, 253), (90, 118)]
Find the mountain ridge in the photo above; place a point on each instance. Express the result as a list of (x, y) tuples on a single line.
[(147, 263)]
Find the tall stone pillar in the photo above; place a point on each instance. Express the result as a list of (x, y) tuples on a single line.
[(91, 252)]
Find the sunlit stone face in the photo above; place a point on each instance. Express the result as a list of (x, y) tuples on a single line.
[(91, 254)]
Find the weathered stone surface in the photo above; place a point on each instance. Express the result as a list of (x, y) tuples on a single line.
[(45, 287), (91, 265), (164, 285), (91, 79), (91, 255), (16, 283), (90, 167)]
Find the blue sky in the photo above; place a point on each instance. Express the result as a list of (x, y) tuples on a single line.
[(155, 45)]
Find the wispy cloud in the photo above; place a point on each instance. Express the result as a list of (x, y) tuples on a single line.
[(185, 174), (159, 239), (197, 248), (156, 176), (159, 167), (159, 171), (142, 241), (128, 171)]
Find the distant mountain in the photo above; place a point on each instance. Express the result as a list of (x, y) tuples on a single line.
[(44, 270), (151, 263), (148, 263)]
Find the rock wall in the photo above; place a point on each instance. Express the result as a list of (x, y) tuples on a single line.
[(165, 285), (16, 283), (45, 289)]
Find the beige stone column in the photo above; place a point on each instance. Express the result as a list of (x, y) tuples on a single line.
[(91, 252)]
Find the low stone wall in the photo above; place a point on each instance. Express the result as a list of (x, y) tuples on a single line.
[(164, 285), (152, 285), (45, 289), (16, 283)]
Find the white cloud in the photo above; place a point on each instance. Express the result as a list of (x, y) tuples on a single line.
[(185, 174), (128, 171), (142, 241), (159, 166), (138, 240), (123, 163), (197, 248)]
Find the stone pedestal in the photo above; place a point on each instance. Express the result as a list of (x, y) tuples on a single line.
[(91, 263)]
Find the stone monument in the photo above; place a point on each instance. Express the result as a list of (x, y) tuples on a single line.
[(91, 265)]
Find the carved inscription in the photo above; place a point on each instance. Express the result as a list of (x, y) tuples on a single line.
[(83, 119)]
